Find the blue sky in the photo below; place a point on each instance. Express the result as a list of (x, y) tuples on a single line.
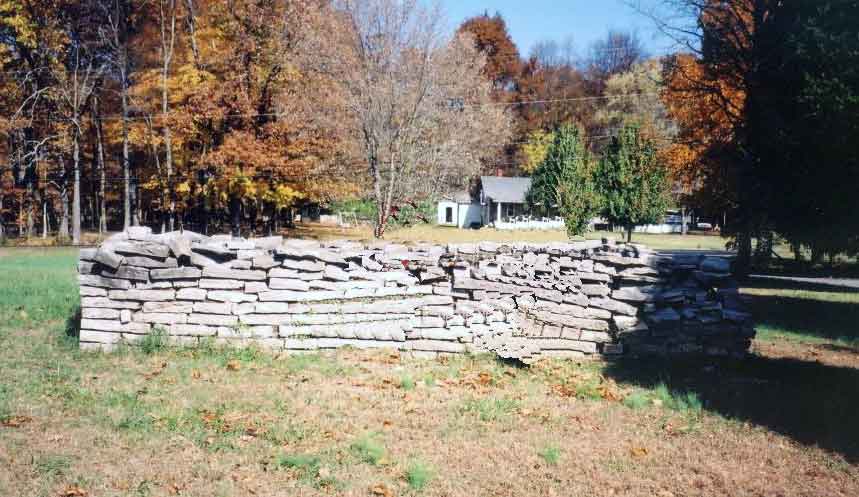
[(530, 21)]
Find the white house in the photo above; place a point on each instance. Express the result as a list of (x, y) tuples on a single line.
[(460, 211)]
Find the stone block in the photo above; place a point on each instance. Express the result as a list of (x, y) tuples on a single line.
[(565, 344), (159, 318), (271, 307), (242, 264), (264, 262), (228, 296), (102, 282), (150, 263), (141, 248), (90, 291), (86, 267), (212, 319), (178, 273), (222, 272), (213, 307), (334, 273), (94, 336), (256, 287), (213, 284), (304, 265), (594, 336), (108, 258), (99, 313), (115, 326), (427, 322), (435, 346), (614, 306), (636, 294), (191, 294), (143, 295), (595, 290), (288, 284), (105, 302), (199, 330), (168, 307)]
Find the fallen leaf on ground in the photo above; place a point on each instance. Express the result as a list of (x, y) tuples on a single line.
[(74, 491), (234, 365), (382, 490), (638, 451), (196, 374), (15, 421)]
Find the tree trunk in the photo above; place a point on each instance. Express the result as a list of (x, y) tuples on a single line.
[(76, 199), (629, 233), (102, 208), (64, 221), (2, 227), (236, 216), (744, 252), (126, 166), (683, 227), (796, 248)]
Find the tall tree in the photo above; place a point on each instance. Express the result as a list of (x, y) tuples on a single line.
[(420, 104), (632, 182), (564, 182), (502, 56)]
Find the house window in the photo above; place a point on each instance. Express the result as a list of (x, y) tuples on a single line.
[(448, 215)]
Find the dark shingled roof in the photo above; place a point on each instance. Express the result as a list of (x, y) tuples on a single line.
[(505, 190)]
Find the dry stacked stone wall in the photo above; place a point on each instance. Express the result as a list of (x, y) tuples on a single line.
[(520, 300)]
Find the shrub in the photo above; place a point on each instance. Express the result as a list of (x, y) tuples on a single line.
[(418, 474), (551, 455), (368, 450)]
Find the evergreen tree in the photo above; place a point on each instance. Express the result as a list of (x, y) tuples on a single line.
[(563, 182), (632, 183)]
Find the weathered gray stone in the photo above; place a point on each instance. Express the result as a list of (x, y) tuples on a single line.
[(221, 284), (636, 294), (142, 295), (93, 336), (86, 267), (191, 294), (168, 307), (87, 254), (594, 277), (290, 296), (716, 265), (564, 344), (108, 258), (108, 303), (213, 307), (228, 296), (212, 319), (90, 291), (256, 287), (335, 274), (201, 260), (288, 284), (267, 242), (223, 272), (264, 262), (192, 330), (159, 318), (141, 248), (239, 264), (614, 306), (99, 313), (114, 325), (304, 265), (595, 290), (435, 346), (102, 282), (150, 263), (185, 272)]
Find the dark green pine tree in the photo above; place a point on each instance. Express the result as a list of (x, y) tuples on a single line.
[(564, 184), (631, 182)]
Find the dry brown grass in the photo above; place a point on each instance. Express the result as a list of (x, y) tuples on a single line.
[(209, 423)]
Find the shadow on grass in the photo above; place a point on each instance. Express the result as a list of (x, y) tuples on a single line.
[(805, 309), (73, 325), (812, 403)]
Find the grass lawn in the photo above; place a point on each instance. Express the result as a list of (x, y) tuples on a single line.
[(210, 422)]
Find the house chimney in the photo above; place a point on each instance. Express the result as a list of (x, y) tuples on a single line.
[(499, 172)]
